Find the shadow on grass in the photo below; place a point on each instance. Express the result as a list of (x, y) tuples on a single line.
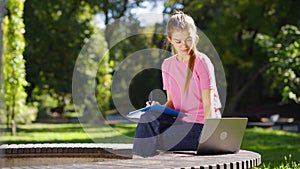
[(50, 128)]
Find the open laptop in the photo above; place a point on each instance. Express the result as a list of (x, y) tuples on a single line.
[(220, 136)]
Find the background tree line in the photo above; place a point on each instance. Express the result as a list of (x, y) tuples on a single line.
[(257, 41)]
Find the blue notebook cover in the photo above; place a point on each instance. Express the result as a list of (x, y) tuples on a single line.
[(155, 108)]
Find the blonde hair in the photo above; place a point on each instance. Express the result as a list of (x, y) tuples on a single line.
[(183, 22)]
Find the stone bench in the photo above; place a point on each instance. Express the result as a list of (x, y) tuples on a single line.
[(281, 124), (64, 153), (260, 124), (102, 155)]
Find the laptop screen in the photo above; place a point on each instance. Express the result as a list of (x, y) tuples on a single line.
[(222, 135)]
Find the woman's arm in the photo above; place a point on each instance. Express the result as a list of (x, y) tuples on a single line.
[(207, 102), (169, 102)]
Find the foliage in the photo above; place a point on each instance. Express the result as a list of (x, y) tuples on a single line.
[(283, 52), (55, 33), (27, 115), (122, 54), (92, 78), (104, 81), (115, 10), (14, 64)]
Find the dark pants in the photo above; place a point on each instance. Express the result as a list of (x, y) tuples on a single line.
[(163, 132)]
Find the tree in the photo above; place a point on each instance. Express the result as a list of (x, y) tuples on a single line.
[(92, 79), (14, 68), (2, 104), (283, 52), (114, 10), (55, 33)]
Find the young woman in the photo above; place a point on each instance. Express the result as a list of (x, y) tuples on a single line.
[(189, 81)]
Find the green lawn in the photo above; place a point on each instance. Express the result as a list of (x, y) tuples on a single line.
[(68, 133), (274, 146)]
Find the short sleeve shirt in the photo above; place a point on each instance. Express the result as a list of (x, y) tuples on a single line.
[(203, 77)]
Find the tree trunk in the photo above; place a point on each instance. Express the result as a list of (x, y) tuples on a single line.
[(13, 127), (7, 118), (234, 101), (13, 113)]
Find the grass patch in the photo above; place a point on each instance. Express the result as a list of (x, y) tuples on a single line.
[(278, 149), (69, 133)]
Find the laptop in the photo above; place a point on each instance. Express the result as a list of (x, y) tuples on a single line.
[(220, 136)]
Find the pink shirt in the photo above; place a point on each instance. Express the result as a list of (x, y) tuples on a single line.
[(190, 103)]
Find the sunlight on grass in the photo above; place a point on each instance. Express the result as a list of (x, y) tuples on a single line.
[(273, 145), (70, 133)]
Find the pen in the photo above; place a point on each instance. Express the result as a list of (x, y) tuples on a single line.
[(150, 98)]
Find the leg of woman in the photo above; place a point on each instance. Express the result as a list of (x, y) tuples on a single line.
[(150, 126), (181, 137)]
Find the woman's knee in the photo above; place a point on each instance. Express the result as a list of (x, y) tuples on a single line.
[(148, 117)]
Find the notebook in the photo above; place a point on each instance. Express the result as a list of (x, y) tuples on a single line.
[(156, 108), (220, 136)]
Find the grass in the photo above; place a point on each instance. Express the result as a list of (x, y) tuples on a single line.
[(69, 133), (278, 149)]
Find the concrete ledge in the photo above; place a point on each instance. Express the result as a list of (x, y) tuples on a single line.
[(102, 156), (242, 160), (55, 154)]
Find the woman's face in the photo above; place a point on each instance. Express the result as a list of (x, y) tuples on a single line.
[(182, 42)]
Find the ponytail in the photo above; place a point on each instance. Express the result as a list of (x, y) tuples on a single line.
[(190, 70), (182, 22)]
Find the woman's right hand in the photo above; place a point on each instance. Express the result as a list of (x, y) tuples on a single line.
[(148, 103)]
